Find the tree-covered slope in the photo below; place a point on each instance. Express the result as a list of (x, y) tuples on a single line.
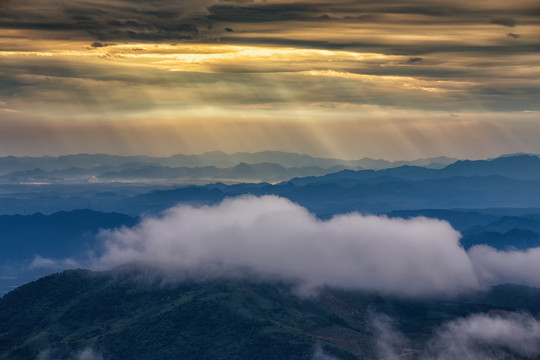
[(132, 317), (132, 313)]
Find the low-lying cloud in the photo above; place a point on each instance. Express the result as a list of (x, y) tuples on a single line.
[(85, 354), (390, 343), (40, 262), (320, 354), (487, 337), (497, 267), (506, 336), (273, 237)]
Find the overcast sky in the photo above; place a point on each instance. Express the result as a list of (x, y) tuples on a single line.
[(391, 79)]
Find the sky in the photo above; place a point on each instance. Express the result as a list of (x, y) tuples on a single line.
[(387, 79)]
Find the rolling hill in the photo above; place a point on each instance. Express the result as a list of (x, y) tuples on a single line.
[(131, 313)]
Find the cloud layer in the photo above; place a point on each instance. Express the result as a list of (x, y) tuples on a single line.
[(485, 337), (85, 354), (496, 267), (506, 336), (272, 237), (383, 69)]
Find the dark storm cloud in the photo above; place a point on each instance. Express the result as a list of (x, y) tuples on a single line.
[(256, 25), (449, 41), (168, 20), (423, 10), (264, 12), (310, 11), (366, 10), (414, 60), (504, 22), (508, 96), (97, 44), (131, 30), (389, 47), (114, 20)]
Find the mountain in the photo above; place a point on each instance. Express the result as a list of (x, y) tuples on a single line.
[(59, 234), (387, 190), (50, 239), (19, 167), (505, 232), (507, 223), (519, 167), (135, 172), (125, 317), (460, 220), (285, 159), (157, 201), (130, 313), (517, 239), (13, 163), (481, 227), (268, 165), (371, 191), (516, 167)]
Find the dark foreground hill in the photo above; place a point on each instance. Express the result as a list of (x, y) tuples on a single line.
[(132, 314)]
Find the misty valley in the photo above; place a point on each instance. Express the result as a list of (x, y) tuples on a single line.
[(269, 255)]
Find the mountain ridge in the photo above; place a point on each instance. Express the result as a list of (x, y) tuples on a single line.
[(215, 158), (129, 313)]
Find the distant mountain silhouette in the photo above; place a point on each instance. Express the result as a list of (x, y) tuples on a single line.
[(506, 223), (515, 239), (466, 185), (59, 234), (63, 235), (516, 167), (459, 219), (157, 201), (152, 172), (70, 166)]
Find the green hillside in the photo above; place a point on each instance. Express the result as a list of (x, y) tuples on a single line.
[(135, 314)]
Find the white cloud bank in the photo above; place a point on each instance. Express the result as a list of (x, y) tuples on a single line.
[(507, 336), (496, 267), (485, 337), (40, 262), (274, 237)]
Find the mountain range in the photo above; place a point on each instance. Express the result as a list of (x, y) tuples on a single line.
[(36, 245), (505, 182), (217, 158), (136, 311), (270, 166)]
